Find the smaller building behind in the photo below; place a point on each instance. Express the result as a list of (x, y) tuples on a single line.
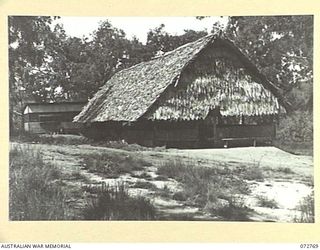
[(43, 118)]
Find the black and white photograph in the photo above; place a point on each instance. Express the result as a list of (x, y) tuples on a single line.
[(189, 118)]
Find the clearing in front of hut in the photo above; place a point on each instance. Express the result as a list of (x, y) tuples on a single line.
[(102, 183)]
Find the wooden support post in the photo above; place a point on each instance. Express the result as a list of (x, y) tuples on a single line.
[(214, 132), (254, 142)]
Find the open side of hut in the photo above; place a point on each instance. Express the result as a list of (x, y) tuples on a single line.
[(40, 118), (204, 93)]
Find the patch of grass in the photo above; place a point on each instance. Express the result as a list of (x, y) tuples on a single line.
[(179, 196), (71, 139), (76, 175), (285, 170), (253, 173), (161, 178), (142, 175), (122, 144), (206, 186), (233, 209), (23, 136), (114, 164), (51, 139), (306, 207), (34, 187), (114, 203), (64, 139), (144, 185), (164, 192), (264, 201)]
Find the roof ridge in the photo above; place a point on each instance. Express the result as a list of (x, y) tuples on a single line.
[(212, 35), (176, 78)]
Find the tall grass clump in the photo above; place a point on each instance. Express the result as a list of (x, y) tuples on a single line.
[(34, 193), (264, 201), (114, 203), (216, 190), (306, 208), (113, 164)]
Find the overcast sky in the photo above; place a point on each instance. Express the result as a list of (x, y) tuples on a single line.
[(137, 26)]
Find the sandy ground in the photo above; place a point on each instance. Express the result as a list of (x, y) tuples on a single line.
[(286, 192), (271, 157)]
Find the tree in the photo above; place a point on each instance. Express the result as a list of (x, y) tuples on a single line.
[(71, 68), (159, 41), (28, 37), (81, 66)]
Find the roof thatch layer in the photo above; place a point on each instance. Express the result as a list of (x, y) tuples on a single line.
[(132, 93)]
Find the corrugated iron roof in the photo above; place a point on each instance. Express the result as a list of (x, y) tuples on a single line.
[(53, 107)]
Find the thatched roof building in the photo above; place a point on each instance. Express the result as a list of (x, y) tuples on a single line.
[(185, 85), (132, 93)]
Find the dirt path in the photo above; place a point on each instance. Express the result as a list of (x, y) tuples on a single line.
[(286, 189)]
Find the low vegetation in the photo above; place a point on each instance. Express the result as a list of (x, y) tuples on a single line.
[(264, 201), (250, 173), (142, 175), (114, 203), (68, 139), (35, 190), (215, 190), (113, 165), (144, 185), (122, 144), (295, 133), (306, 207), (285, 170), (50, 139), (43, 191)]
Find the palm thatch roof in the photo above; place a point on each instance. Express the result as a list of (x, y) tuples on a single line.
[(133, 93)]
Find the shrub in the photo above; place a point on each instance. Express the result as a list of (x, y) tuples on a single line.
[(296, 127), (114, 203)]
